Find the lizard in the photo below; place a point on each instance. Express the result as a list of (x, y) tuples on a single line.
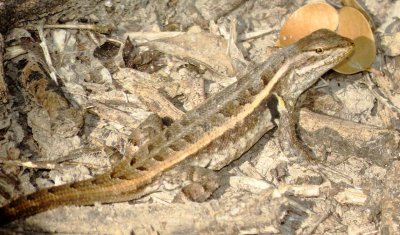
[(225, 126)]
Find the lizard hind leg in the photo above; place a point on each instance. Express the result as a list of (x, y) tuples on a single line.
[(290, 141), (203, 183)]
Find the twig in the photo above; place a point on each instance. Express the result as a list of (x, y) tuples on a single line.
[(3, 87), (105, 29), (47, 55), (150, 36), (253, 35), (30, 164), (53, 164)]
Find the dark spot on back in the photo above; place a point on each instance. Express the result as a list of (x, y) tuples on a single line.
[(141, 168), (159, 158)]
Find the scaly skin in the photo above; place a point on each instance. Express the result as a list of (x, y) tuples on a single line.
[(226, 126)]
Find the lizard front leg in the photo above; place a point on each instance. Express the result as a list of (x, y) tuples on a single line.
[(290, 141)]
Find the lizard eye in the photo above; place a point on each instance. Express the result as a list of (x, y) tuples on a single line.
[(319, 50)]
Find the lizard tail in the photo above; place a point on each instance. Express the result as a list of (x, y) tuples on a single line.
[(99, 189), (40, 201)]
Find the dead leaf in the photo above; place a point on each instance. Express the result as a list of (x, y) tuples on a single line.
[(306, 20), (199, 49), (353, 25)]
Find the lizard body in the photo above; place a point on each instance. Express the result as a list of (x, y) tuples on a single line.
[(214, 134)]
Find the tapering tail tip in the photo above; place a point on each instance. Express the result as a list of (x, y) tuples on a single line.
[(5, 216)]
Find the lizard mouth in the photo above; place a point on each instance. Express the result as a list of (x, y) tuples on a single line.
[(347, 50), (344, 53)]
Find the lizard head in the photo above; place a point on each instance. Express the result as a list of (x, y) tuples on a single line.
[(322, 50), (311, 57)]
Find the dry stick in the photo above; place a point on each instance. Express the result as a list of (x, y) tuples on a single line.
[(30, 164), (254, 35), (150, 36), (3, 87), (233, 50), (106, 29), (46, 53), (55, 164)]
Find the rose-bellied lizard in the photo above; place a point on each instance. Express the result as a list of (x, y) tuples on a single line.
[(224, 127)]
